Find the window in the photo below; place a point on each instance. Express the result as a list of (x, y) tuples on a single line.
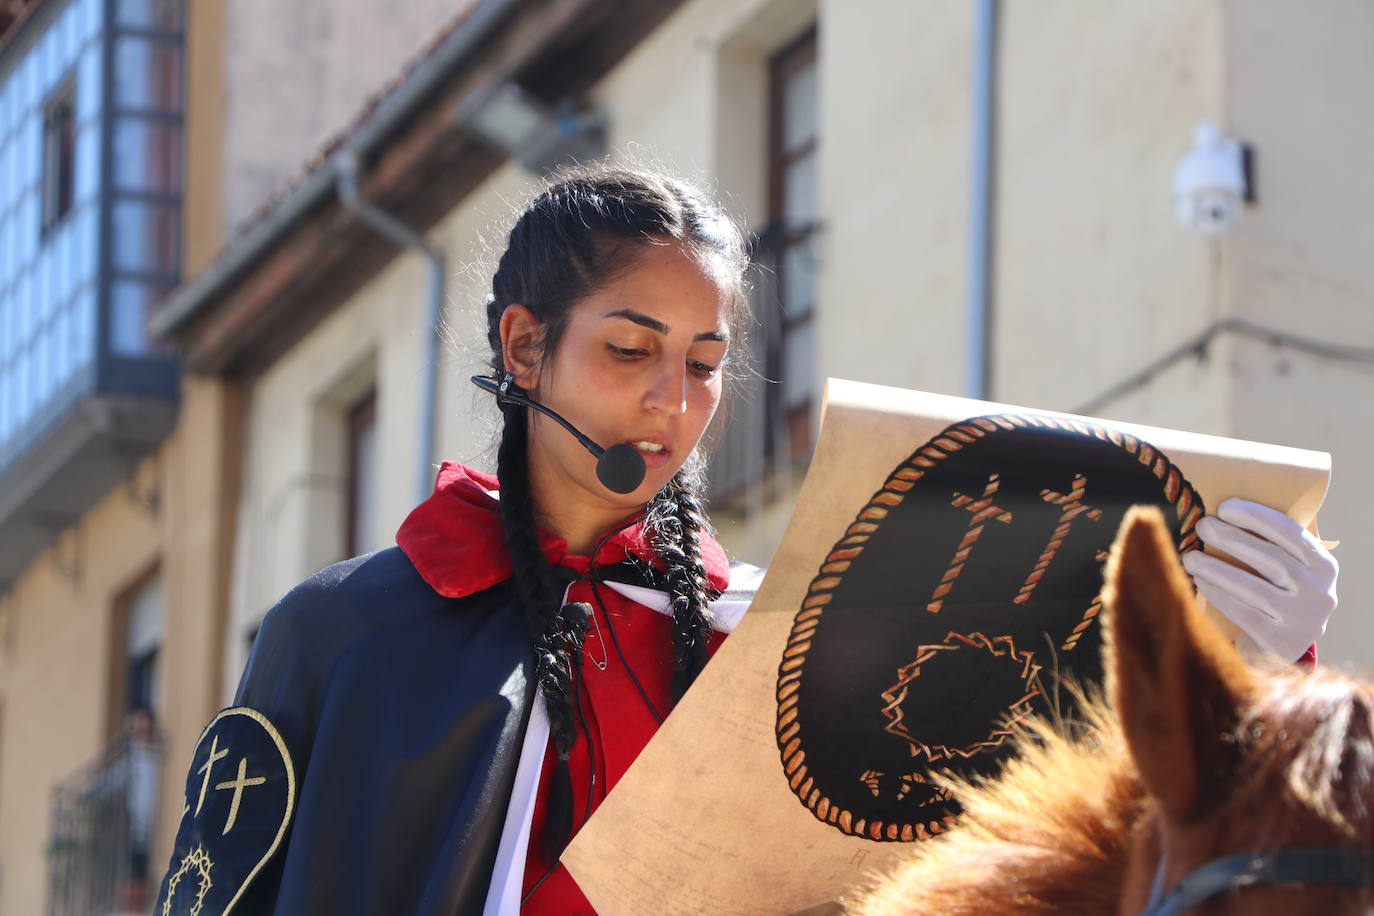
[(362, 474), (59, 153), (142, 642), (342, 498), (91, 169), (772, 98), (145, 166), (789, 245), (151, 14)]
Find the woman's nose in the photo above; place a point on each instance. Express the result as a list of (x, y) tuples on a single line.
[(668, 391)]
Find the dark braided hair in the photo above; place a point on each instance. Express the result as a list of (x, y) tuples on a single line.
[(677, 519), (582, 232)]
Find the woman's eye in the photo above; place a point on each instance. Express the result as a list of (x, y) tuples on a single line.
[(626, 352), (701, 368)]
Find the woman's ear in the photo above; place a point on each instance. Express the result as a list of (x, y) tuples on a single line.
[(522, 336)]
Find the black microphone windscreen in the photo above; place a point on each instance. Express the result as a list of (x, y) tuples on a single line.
[(621, 469)]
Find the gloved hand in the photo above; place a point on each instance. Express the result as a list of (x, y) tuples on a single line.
[(1286, 606)]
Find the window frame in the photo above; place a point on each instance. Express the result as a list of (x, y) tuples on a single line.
[(57, 163), (122, 663), (361, 418), (775, 242)]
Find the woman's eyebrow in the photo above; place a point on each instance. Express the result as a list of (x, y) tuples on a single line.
[(654, 324), (639, 318)]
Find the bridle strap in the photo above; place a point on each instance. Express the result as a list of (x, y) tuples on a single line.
[(1341, 867)]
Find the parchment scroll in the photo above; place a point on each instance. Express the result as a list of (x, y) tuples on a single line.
[(939, 573)]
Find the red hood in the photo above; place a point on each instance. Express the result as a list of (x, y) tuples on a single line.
[(455, 540)]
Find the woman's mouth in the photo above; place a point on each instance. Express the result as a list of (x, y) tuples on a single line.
[(655, 453)]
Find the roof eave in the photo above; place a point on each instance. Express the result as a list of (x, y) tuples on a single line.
[(189, 300)]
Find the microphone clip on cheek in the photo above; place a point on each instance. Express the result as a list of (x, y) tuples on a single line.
[(620, 468)]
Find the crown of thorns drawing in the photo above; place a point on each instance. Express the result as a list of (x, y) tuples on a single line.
[(1002, 648)]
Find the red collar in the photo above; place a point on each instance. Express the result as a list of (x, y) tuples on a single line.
[(455, 541)]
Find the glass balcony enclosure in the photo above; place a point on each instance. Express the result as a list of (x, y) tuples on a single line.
[(90, 209)]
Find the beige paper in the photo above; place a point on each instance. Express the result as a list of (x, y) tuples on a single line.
[(704, 822)]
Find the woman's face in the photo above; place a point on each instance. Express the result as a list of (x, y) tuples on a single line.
[(640, 363)]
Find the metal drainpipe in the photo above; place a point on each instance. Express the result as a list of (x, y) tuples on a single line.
[(346, 181), (978, 378)]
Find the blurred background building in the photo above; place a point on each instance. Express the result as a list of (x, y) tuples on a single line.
[(227, 231)]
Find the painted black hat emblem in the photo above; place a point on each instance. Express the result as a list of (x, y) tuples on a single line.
[(948, 608)]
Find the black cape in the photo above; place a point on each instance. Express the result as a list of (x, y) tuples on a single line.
[(403, 715)]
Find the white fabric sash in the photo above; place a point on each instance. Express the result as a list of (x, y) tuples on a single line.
[(507, 876)]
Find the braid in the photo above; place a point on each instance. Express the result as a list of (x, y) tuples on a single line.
[(678, 519), (556, 633), (535, 581)]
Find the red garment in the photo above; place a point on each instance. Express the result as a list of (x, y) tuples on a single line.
[(619, 724), (456, 543)]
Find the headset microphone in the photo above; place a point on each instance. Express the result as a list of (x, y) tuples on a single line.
[(619, 468)]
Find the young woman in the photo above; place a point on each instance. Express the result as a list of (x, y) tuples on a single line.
[(389, 709), (421, 730)]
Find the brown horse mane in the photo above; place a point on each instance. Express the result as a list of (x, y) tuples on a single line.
[(1012, 853), (1053, 833), (1309, 735)]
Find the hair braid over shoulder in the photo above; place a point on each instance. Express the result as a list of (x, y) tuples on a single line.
[(678, 519), (535, 580)]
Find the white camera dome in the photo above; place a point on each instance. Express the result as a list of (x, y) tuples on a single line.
[(1209, 184)]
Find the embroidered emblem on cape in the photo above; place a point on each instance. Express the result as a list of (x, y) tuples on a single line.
[(240, 797), (949, 608)]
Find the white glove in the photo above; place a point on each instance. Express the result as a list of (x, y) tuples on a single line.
[(1285, 607)]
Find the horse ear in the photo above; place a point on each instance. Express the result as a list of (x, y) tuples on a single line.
[(1177, 683)]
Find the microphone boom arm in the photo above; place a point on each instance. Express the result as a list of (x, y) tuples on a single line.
[(620, 468), (511, 394)]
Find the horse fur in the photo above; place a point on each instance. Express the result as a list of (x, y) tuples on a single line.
[(1013, 855)]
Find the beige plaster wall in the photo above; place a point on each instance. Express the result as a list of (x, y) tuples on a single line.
[(712, 119), (297, 73), (1299, 92), (199, 513), (894, 126), (59, 638), (1094, 278), (55, 662), (292, 502), (892, 189)]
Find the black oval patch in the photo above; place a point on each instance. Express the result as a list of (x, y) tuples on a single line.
[(945, 609), (240, 798)]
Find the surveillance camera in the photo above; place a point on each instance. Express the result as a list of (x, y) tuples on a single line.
[(1210, 185), (1209, 212)]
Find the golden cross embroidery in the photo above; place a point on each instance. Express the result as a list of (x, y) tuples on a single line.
[(238, 785), (215, 754), (1072, 507), (982, 509)]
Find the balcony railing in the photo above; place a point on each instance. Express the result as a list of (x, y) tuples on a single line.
[(101, 823)]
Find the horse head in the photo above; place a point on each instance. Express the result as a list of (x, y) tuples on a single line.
[(1265, 779)]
